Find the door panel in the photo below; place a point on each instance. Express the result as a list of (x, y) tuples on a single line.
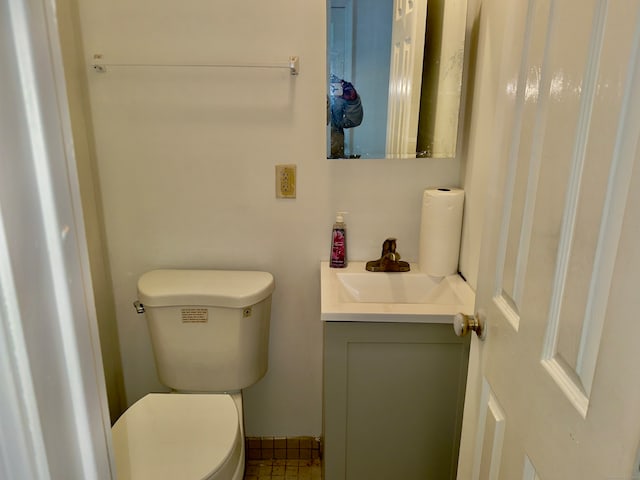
[(490, 436), (529, 470), (523, 164), (560, 249)]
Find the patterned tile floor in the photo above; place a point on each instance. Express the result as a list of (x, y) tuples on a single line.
[(283, 470)]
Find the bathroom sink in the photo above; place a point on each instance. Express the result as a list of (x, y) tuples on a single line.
[(354, 294)]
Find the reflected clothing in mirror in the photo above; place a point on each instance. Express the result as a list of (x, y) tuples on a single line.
[(345, 111)]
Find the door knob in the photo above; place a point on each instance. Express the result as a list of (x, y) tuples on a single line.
[(463, 323)]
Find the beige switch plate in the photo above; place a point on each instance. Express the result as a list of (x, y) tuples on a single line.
[(286, 181)]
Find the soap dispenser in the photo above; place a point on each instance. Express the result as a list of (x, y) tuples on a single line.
[(338, 258)]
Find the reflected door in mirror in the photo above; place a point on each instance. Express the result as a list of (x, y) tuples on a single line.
[(405, 79), (404, 59)]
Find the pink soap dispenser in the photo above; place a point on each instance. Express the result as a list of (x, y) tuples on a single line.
[(338, 258)]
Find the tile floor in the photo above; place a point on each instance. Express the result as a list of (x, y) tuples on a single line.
[(283, 469), (281, 448)]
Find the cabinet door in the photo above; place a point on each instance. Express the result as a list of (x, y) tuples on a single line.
[(393, 399)]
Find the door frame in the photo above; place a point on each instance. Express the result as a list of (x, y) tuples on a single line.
[(55, 419)]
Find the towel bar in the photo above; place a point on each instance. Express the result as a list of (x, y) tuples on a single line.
[(293, 64)]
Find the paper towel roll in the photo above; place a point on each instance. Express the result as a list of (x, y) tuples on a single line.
[(440, 231)]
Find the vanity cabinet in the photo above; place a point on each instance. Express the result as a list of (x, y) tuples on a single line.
[(393, 400)]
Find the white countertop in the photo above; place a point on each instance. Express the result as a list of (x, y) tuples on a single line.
[(453, 295)]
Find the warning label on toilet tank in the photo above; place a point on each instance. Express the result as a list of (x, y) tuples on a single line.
[(195, 315)]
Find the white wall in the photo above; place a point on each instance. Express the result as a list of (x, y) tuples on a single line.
[(186, 165), (77, 95)]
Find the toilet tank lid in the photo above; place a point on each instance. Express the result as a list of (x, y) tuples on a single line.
[(216, 288)]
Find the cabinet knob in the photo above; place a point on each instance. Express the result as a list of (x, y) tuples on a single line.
[(463, 323)]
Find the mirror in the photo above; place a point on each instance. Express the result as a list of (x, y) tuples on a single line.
[(395, 77)]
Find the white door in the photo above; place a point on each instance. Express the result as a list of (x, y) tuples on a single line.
[(405, 77), (341, 39), (554, 389)]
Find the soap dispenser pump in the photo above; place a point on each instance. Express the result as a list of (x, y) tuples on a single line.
[(338, 258)]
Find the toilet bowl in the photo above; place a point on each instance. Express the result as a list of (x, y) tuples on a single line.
[(180, 436), (209, 331)]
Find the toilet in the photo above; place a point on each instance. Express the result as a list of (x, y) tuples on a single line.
[(210, 337)]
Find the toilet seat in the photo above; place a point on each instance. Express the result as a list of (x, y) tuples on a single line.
[(186, 436)]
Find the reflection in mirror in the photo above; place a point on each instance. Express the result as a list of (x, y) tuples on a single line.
[(395, 77)]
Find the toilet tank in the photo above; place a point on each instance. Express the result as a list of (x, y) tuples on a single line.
[(209, 328)]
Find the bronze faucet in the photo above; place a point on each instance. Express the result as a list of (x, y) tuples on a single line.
[(389, 259)]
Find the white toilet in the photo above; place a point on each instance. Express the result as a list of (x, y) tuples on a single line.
[(210, 335)]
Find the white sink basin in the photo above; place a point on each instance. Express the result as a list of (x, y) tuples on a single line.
[(407, 287), (354, 294)]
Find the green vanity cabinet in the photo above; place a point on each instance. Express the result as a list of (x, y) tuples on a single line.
[(393, 400)]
